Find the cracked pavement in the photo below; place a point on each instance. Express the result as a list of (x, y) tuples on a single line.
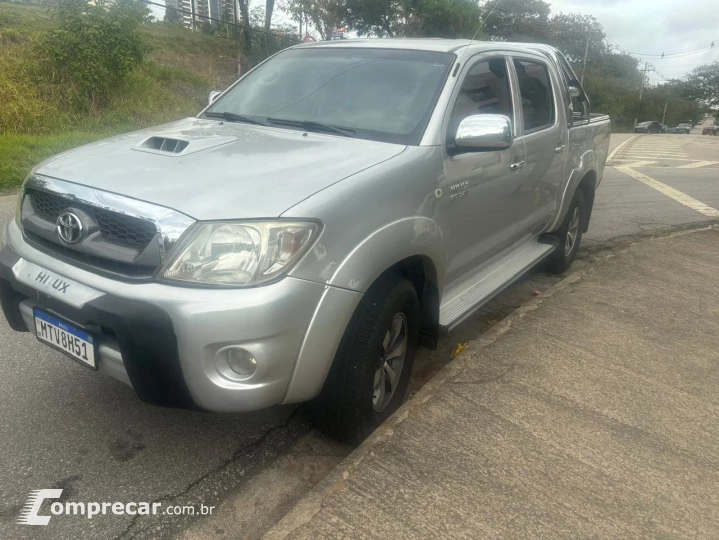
[(64, 426)]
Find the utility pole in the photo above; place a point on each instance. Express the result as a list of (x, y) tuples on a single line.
[(584, 66), (641, 90), (664, 114)]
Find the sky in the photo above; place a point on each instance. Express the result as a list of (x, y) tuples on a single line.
[(656, 26)]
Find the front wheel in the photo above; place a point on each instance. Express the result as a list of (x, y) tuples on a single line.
[(569, 236), (370, 375)]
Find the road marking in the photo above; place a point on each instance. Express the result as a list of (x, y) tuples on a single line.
[(654, 149), (643, 153), (647, 145), (697, 165), (670, 192), (640, 164), (643, 156), (622, 145)]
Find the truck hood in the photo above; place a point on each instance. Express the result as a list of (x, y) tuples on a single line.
[(208, 169)]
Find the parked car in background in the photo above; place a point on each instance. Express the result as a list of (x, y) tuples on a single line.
[(648, 127), (684, 128), (709, 130), (338, 206)]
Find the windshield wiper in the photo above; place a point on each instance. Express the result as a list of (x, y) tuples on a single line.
[(309, 125), (232, 117)]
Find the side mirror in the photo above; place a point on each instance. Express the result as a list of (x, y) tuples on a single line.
[(574, 92), (484, 132), (213, 96)]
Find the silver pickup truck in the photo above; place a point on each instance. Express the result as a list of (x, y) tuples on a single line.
[(339, 206)]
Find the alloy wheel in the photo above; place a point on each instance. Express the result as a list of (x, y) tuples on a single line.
[(572, 232), (394, 351)]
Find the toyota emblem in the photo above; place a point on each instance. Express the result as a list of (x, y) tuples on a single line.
[(69, 228)]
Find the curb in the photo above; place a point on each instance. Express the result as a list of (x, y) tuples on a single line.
[(338, 480)]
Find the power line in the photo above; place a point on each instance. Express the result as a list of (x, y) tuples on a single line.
[(665, 55)]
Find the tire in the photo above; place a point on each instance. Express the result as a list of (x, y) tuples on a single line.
[(569, 233), (355, 398)]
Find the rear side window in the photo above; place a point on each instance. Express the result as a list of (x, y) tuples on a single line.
[(536, 91)]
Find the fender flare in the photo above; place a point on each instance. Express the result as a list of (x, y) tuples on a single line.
[(407, 237), (385, 247), (587, 164)]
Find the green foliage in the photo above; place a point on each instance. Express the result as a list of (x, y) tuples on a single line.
[(517, 20), (22, 151), (412, 18), (703, 83), (38, 117), (94, 47), (569, 33)]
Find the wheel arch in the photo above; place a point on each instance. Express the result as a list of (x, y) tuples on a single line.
[(588, 185), (411, 247), (587, 181)]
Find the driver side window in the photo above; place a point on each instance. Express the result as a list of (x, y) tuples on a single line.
[(485, 90)]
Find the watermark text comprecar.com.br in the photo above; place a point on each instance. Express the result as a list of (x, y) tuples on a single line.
[(31, 512)]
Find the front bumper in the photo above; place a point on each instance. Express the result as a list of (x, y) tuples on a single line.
[(163, 340)]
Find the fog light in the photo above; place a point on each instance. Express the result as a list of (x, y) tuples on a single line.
[(241, 362)]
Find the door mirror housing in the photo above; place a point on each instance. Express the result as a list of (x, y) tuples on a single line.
[(574, 92), (484, 132), (213, 96)]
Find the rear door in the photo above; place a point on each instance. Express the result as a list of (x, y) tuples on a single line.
[(542, 129)]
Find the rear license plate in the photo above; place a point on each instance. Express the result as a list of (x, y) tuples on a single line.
[(63, 336)]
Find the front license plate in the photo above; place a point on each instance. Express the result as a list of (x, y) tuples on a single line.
[(61, 335)]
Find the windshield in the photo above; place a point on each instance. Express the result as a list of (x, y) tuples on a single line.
[(378, 94)]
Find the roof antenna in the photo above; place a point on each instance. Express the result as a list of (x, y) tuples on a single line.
[(481, 25)]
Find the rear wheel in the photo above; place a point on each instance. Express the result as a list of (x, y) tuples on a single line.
[(569, 236), (370, 375)]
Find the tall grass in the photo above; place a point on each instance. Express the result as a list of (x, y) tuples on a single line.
[(37, 119)]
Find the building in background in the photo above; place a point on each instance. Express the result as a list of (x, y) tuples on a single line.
[(196, 13)]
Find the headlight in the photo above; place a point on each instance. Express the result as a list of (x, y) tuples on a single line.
[(240, 253), (18, 208)]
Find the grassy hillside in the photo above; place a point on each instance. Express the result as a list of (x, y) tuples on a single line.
[(36, 119)]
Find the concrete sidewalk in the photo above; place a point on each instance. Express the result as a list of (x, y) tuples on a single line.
[(592, 411)]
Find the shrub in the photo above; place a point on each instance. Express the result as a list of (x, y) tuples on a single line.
[(94, 47)]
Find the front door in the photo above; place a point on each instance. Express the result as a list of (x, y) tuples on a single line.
[(479, 208), (544, 134)]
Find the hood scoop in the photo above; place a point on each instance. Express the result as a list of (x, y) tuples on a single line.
[(181, 144), (163, 144)]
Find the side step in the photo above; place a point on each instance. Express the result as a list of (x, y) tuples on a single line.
[(470, 295)]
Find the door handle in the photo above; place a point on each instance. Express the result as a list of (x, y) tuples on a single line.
[(558, 149), (516, 165)]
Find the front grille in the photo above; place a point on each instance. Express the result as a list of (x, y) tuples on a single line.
[(91, 262), (119, 227)]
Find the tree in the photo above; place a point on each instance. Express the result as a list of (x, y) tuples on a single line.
[(703, 83), (569, 33), (245, 20), (517, 20), (95, 46), (413, 18), (269, 8), (325, 15)]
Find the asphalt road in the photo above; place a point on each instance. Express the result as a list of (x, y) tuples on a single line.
[(64, 426)]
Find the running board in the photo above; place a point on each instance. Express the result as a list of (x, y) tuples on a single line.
[(472, 294)]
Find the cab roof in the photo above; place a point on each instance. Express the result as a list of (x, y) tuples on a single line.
[(430, 44)]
